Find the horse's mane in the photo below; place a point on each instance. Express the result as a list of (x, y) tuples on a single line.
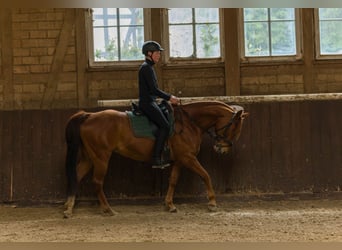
[(231, 108)]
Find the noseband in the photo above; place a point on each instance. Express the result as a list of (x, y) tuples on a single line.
[(222, 137)]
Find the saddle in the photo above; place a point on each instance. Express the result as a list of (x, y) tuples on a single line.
[(142, 126)]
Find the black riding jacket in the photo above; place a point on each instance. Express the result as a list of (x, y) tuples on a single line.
[(148, 86)]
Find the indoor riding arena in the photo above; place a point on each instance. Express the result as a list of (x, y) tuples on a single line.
[(281, 180)]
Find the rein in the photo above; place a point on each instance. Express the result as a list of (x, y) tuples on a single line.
[(225, 128), (213, 135)]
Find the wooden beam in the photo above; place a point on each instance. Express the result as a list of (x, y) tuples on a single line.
[(7, 57), (82, 58), (231, 51), (57, 64), (308, 49), (156, 32)]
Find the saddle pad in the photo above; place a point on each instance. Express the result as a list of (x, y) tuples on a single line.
[(143, 127), (140, 125)]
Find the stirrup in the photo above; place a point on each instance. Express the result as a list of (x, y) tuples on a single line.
[(160, 164)]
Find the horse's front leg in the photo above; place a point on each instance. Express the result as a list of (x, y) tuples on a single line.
[(171, 189), (193, 164)]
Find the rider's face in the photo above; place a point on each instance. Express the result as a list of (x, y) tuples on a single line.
[(155, 56)]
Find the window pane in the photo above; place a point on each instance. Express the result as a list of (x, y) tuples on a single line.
[(283, 39), (110, 11), (105, 49), (118, 34), (98, 11), (256, 39), (282, 14), (270, 32), (206, 15), (131, 43), (331, 37), (104, 17), (207, 40), (194, 32), (330, 30), (132, 16), (182, 41), (180, 15), (98, 23), (330, 13), (255, 14)]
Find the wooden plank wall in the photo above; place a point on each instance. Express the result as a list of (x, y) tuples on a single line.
[(284, 147)]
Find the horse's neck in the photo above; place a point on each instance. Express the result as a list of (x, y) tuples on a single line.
[(206, 114)]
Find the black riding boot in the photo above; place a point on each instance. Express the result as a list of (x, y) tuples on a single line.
[(157, 161)]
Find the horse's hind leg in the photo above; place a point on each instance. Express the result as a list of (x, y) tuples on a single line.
[(98, 181), (83, 168), (69, 206), (100, 170)]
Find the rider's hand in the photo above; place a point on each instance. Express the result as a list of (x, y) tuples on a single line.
[(174, 100)]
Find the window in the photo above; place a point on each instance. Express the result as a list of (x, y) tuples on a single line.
[(270, 32), (330, 31), (117, 34), (194, 33)]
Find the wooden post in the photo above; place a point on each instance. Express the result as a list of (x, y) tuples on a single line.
[(7, 57), (231, 51), (156, 31), (308, 49), (82, 58)]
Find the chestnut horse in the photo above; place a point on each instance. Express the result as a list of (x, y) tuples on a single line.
[(97, 135)]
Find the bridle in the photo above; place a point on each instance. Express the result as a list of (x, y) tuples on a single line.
[(214, 135), (223, 137)]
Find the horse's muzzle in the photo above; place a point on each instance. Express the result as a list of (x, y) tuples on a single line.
[(222, 148)]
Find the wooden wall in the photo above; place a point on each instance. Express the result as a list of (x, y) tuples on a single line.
[(285, 146)]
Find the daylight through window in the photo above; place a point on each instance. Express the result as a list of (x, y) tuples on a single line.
[(194, 33), (330, 31), (118, 34), (269, 32)]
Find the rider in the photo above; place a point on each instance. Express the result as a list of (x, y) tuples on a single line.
[(148, 93)]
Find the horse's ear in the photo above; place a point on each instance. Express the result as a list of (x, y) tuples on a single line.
[(244, 115), (241, 114), (238, 115)]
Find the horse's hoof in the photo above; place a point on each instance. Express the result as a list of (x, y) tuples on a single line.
[(173, 210), (212, 208), (67, 214), (109, 212)]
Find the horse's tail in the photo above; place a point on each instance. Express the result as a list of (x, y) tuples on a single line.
[(74, 141)]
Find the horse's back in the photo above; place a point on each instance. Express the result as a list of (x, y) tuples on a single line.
[(105, 121), (111, 130)]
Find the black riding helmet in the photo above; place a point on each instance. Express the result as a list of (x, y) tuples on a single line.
[(151, 46)]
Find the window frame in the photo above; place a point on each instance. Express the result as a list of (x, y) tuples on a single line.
[(319, 56), (168, 60), (255, 59), (92, 64)]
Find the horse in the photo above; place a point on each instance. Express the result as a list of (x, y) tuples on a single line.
[(92, 137)]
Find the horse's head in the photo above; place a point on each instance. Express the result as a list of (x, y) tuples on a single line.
[(228, 129)]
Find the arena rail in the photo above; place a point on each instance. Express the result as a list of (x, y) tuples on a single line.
[(237, 99)]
